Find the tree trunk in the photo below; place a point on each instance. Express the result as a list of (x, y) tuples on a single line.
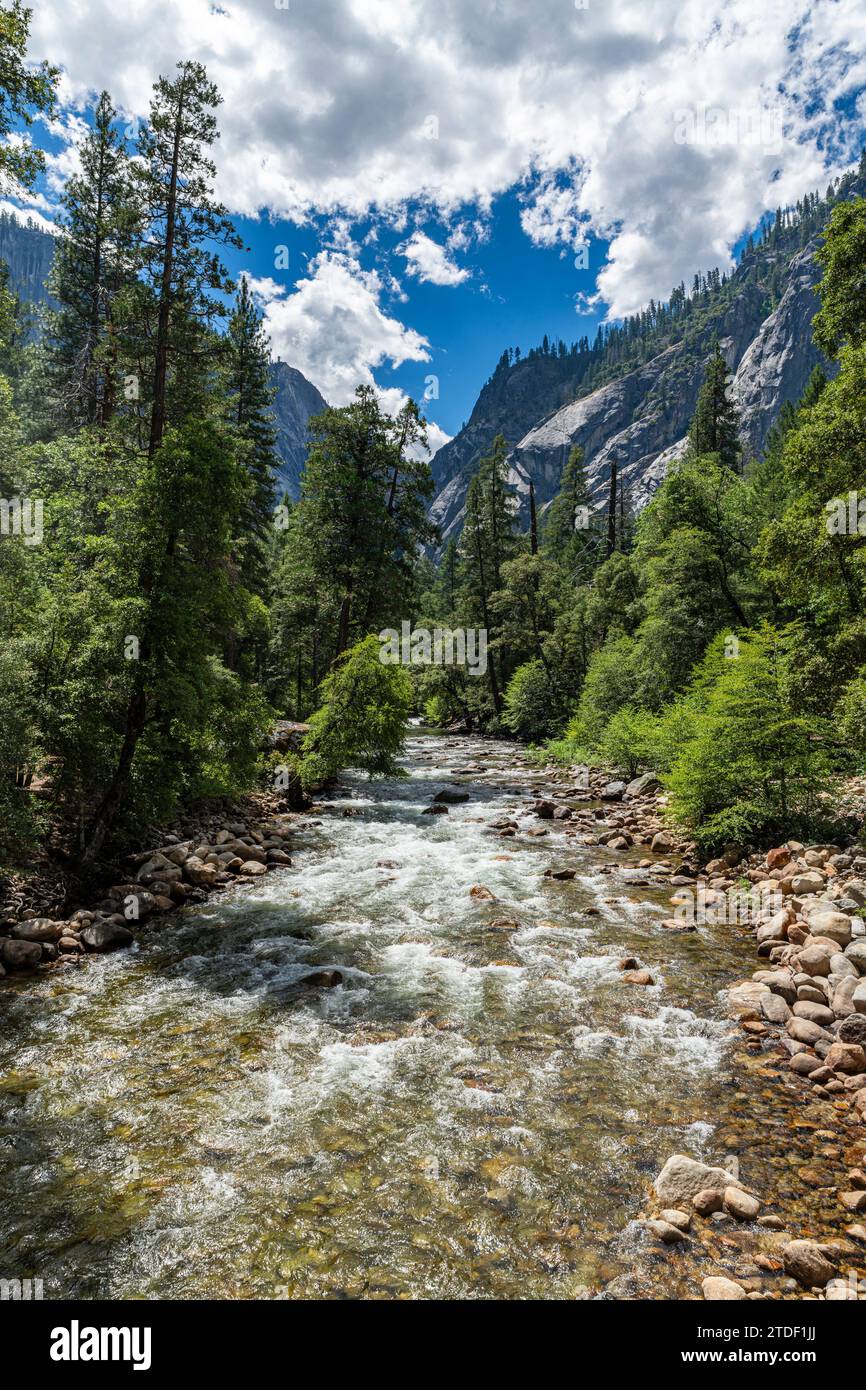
[(611, 510), (160, 375), (533, 521)]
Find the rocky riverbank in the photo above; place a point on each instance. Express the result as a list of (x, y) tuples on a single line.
[(805, 1013), (181, 869)]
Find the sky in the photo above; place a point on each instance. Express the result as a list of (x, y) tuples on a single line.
[(422, 183)]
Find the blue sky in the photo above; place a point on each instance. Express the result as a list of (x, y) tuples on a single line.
[(435, 166), (514, 293)]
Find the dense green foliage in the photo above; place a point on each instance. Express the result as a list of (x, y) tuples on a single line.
[(724, 643), (158, 606)]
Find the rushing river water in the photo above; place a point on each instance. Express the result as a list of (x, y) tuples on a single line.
[(476, 1111)]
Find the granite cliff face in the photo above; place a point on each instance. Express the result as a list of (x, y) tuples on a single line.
[(28, 252), (640, 419), (296, 399)]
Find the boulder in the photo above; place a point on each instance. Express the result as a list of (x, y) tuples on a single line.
[(708, 1200), (252, 868), (106, 936), (856, 954), (20, 955), (716, 1287), (858, 998), (804, 1063), (833, 925), (740, 1204), (853, 1030), (39, 929), (815, 959), (675, 1217), (774, 1009), (670, 1234), (777, 857), (846, 1057), (614, 791), (198, 873), (810, 882), (814, 1013), (640, 786), (745, 998), (801, 1030), (683, 1177), (662, 843), (450, 797), (809, 1263)]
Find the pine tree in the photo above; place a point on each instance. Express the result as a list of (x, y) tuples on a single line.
[(250, 404), (360, 523), (26, 90), (93, 267), (488, 541), (181, 269), (568, 536), (714, 427)]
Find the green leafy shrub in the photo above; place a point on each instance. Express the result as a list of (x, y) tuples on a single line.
[(753, 767), (361, 721), (530, 703), (628, 742)]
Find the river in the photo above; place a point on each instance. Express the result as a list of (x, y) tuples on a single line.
[(475, 1111)]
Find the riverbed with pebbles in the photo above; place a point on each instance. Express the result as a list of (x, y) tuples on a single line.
[(435, 1055)]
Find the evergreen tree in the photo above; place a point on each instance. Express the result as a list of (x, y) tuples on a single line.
[(93, 267), (182, 273), (488, 541), (842, 315), (250, 405), (714, 427), (26, 90), (351, 553)]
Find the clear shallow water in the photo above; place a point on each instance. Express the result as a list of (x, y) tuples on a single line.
[(475, 1112)]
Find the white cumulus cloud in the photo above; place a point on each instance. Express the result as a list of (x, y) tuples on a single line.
[(352, 107), (429, 262)]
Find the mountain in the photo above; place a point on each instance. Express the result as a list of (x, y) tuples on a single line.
[(629, 398), (296, 399), (27, 251)]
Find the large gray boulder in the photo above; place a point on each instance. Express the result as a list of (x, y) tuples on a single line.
[(682, 1178)]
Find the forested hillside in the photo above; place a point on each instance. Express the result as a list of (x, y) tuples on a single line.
[(719, 636), (162, 600), (627, 398)]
